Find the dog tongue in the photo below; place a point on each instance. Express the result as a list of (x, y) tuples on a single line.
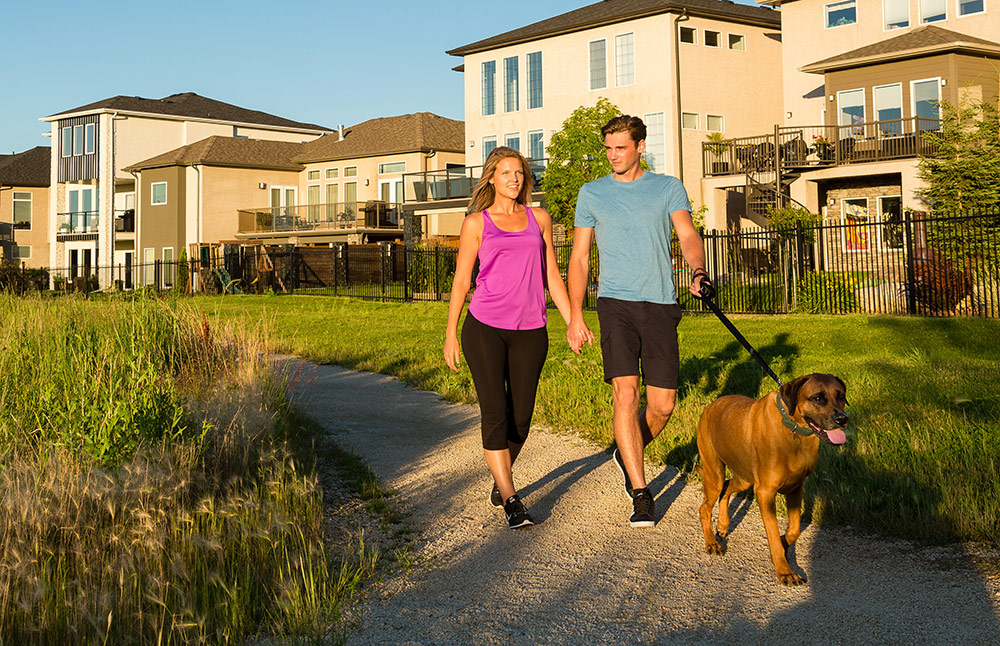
[(836, 436)]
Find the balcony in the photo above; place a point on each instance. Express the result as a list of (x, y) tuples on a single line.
[(77, 223), (454, 183), (321, 218), (796, 149), (125, 221)]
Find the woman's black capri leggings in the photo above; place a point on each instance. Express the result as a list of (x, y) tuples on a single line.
[(505, 367)]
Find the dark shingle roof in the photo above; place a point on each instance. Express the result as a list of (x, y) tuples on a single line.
[(919, 42), (30, 168), (422, 131), (614, 11), (193, 105), (229, 151)]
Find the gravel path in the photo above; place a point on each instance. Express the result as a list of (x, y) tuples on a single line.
[(582, 576)]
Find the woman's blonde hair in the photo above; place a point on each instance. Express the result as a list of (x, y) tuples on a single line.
[(484, 193)]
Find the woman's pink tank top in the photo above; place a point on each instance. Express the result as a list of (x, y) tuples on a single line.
[(510, 289)]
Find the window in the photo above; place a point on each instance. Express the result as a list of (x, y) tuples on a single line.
[(90, 137), (689, 35), (331, 201), (625, 59), (512, 140), (511, 97), (933, 10), (312, 200), (689, 120), (851, 105), (896, 14), (889, 108), (169, 268), (77, 140), (598, 65), (312, 175), (536, 144), (332, 173), (969, 7), (489, 144), (890, 212), (656, 142), (22, 252), (148, 268), (534, 80), (350, 171), (713, 39), (841, 13), (67, 142), (926, 96), (738, 42), (22, 210), (351, 198), (489, 88), (715, 123), (856, 233), (158, 192), (392, 167)]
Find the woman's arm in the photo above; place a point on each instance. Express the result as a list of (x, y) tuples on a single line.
[(554, 281), (468, 249)]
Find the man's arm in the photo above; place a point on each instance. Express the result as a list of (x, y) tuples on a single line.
[(577, 333), (691, 248)]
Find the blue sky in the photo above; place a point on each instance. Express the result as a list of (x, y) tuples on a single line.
[(319, 62)]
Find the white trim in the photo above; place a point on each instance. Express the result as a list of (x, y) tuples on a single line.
[(67, 140), (309, 175), (708, 128), (744, 40), (31, 209), (152, 194), (18, 255), (527, 81), (391, 172), (590, 69), (169, 117), (718, 41), (506, 139), (91, 138), (909, 21), (517, 84), (697, 116), (959, 14), (826, 14), (920, 13), (683, 42), (79, 127), (866, 224), (336, 173), (913, 102), (635, 61), (482, 88), (875, 106), (348, 168), (864, 105), (527, 135)]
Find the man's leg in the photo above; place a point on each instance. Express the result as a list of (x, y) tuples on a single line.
[(633, 431)]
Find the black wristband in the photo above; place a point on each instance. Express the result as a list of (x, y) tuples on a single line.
[(699, 272)]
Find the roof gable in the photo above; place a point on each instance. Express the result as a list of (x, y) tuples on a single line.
[(422, 131), (228, 151), (610, 12), (188, 104), (30, 168), (923, 41)]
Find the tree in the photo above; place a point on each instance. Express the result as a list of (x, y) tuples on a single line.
[(576, 156)]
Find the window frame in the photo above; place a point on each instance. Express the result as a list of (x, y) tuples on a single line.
[(656, 151), (716, 116), (332, 173), (864, 226), (89, 138), (826, 13), (78, 140), (742, 41), (924, 21), (382, 165), (511, 84), (958, 9), (312, 175), (694, 33), (350, 171), (697, 119), (718, 38), (913, 98), (13, 213), (535, 80), (488, 139), (875, 102), (67, 142), (864, 107), (604, 63), (492, 88), (530, 134), (508, 136), (632, 77), (885, 21), (16, 253), (883, 224), (152, 193)]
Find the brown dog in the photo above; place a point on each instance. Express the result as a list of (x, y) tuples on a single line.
[(770, 450)]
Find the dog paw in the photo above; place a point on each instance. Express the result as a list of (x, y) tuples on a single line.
[(791, 579), (713, 548)]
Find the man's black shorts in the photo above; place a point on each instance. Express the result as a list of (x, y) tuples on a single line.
[(639, 331)]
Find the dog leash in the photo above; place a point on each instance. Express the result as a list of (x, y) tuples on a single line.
[(707, 291)]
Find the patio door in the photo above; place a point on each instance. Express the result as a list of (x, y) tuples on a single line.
[(926, 96), (282, 207), (389, 191), (82, 209), (851, 109)]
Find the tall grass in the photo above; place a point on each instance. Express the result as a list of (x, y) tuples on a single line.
[(921, 461), (147, 493)]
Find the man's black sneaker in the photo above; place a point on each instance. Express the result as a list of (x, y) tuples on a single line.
[(495, 498), (642, 508), (621, 467), (517, 515)]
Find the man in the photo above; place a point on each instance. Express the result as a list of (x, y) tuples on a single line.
[(631, 213)]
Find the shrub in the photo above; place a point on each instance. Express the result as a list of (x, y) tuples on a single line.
[(826, 292), (940, 284), (425, 263)]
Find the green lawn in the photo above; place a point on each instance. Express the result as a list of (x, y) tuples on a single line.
[(921, 459)]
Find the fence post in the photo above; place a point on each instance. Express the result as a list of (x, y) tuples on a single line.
[(800, 252), (911, 282), (437, 274)]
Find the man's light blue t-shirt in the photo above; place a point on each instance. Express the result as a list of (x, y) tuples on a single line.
[(632, 227)]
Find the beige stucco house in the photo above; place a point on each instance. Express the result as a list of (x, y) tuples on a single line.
[(687, 67), (24, 204), (94, 201)]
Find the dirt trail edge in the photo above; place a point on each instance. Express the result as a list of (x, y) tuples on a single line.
[(582, 576)]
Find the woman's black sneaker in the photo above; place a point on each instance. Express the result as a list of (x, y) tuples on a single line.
[(642, 508), (517, 515), (495, 498)]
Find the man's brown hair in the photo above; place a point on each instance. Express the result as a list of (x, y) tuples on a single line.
[(625, 123)]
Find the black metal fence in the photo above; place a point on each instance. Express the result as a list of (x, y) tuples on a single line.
[(913, 264)]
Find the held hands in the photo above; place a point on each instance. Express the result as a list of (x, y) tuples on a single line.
[(577, 333), (451, 352)]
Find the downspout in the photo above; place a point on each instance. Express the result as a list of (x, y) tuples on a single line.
[(677, 84), (197, 211)]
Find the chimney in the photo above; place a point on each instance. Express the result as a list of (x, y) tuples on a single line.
[(340, 132)]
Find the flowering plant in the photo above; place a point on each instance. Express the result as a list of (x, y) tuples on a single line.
[(820, 139)]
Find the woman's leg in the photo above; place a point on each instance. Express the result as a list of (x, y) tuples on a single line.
[(526, 356)]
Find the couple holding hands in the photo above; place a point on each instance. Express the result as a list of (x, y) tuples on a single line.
[(632, 214)]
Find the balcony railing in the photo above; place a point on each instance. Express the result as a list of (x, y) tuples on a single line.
[(335, 216), (76, 222), (799, 148), (125, 221), (454, 183)]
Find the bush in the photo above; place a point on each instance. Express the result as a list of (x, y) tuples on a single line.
[(940, 284), (826, 292), (423, 262)]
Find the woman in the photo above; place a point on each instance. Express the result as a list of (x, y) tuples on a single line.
[(504, 336)]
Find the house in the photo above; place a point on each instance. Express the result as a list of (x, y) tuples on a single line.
[(687, 67), (862, 81), (93, 202), (24, 204)]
